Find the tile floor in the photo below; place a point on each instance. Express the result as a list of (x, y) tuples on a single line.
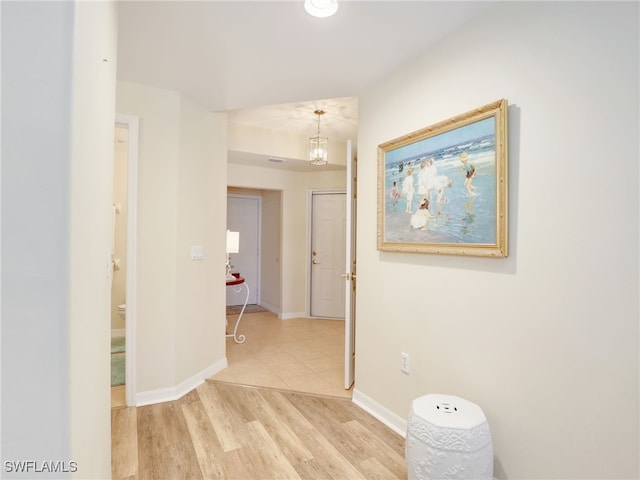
[(304, 355)]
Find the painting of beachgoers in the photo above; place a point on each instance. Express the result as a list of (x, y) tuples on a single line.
[(443, 189)]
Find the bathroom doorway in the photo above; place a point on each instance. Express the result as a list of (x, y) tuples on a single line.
[(123, 291), (119, 241), (119, 263)]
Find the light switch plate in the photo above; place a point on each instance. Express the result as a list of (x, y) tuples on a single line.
[(404, 362), (197, 252)]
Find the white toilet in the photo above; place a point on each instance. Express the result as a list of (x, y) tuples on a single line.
[(122, 310)]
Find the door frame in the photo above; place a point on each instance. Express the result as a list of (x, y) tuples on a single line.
[(257, 288), (350, 275), (308, 256), (132, 124)]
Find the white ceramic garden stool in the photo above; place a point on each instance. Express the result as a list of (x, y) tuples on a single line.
[(448, 438)]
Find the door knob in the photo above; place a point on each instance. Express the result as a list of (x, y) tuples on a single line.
[(315, 262), (346, 275)]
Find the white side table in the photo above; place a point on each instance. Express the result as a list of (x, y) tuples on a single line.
[(237, 284)]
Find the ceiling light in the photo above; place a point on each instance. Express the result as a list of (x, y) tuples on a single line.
[(321, 8), (318, 145)]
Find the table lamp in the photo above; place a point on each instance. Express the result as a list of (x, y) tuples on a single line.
[(233, 246)]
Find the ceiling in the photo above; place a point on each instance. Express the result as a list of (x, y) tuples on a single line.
[(270, 64)]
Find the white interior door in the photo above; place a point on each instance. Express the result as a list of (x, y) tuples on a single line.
[(243, 215), (328, 223), (350, 272)]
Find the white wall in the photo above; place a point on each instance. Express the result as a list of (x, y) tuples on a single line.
[(181, 183), (546, 340), (36, 176), (295, 187), (58, 84)]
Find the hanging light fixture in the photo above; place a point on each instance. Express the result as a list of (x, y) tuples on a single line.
[(318, 146), (321, 8)]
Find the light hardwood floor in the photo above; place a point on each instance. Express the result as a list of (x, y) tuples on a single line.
[(118, 397), (226, 431), (279, 410)]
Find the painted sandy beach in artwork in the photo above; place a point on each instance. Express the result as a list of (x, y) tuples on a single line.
[(443, 189)]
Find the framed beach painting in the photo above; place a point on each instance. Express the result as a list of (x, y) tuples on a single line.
[(443, 189)]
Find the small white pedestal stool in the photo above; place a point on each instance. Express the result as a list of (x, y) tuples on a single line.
[(448, 438)]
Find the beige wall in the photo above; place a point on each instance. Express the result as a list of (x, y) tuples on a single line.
[(181, 181), (91, 237), (546, 340), (295, 188), (271, 250), (156, 230), (199, 285)]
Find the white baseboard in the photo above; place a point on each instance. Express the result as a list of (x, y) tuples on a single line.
[(173, 393), (271, 308), (390, 419), (287, 316), (118, 332)]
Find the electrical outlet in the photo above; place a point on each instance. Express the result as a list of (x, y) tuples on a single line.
[(404, 362)]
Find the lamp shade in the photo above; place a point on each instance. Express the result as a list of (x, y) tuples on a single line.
[(233, 242)]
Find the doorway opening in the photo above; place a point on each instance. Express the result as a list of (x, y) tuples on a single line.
[(119, 263), (244, 217), (256, 215), (124, 261)]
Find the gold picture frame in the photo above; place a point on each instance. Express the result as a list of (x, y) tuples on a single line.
[(443, 189)]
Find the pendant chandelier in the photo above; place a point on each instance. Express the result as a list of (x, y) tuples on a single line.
[(318, 145)]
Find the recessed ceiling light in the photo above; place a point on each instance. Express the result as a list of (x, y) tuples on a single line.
[(321, 8)]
